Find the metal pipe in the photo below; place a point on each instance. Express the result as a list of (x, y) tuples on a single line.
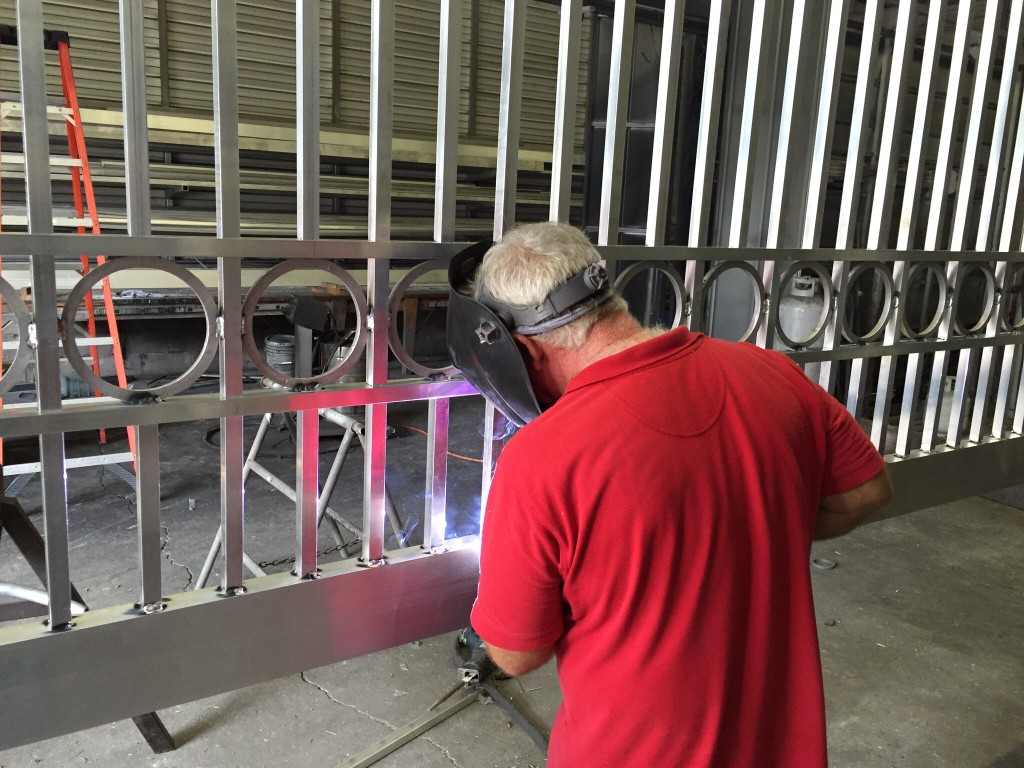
[(510, 105), (382, 76), (615, 121), (436, 502), (739, 218), (307, 113), (44, 299), (665, 121), (307, 488), (963, 198), (446, 164), (992, 176), (133, 97), (565, 109), (224, 33)]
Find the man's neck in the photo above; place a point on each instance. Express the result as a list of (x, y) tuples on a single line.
[(608, 336)]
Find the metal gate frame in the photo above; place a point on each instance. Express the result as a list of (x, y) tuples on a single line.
[(166, 650)]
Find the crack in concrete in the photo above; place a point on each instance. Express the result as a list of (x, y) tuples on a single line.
[(164, 541), (302, 676), (443, 750), (126, 499)]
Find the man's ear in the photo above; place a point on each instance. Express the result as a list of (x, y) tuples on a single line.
[(534, 351)]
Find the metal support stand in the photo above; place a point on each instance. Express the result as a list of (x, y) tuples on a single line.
[(353, 430), (154, 732), (20, 475), (452, 702), (30, 543)]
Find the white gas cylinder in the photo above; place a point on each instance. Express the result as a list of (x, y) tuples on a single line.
[(800, 311)]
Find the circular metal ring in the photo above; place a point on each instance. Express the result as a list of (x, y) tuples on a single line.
[(256, 293), (1014, 284), (397, 294), (990, 299), (888, 303), (759, 294), (940, 306), (83, 286), (674, 279), (22, 317), (829, 300)]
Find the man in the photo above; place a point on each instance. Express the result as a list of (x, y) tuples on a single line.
[(650, 525)]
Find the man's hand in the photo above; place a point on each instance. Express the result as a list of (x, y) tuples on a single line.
[(841, 513), (517, 663)]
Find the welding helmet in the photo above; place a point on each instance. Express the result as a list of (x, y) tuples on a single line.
[(480, 339)]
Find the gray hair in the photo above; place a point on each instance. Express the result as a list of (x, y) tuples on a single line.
[(534, 259)]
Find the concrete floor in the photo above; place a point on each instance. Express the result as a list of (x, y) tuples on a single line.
[(921, 626)]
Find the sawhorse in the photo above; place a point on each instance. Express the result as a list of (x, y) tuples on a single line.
[(353, 431)]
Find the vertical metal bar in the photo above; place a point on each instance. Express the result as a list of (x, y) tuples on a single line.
[(824, 122), (963, 200), (307, 111), (987, 364), (34, 127), (335, 61), (446, 165), (1018, 413), (147, 505), (741, 184), (615, 122), (881, 213), (908, 215), (965, 190), (945, 155), (164, 54), (474, 66), (375, 450), (858, 123), (694, 314), (778, 190), (707, 130), (766, 332), (851, 184), (44, 301), (224, 31), (892, 123), (665, 121), (565, 109), (938, 196), (382, 51), (434, 520), (1009, 70), (495, 426), (922, 118), (1005, 242), (707, 151), (307, 488), (1016, 98), (133, 96), (911, 391), (382, 68), (506, 183)]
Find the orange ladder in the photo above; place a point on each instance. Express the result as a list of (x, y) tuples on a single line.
[(86, 219)]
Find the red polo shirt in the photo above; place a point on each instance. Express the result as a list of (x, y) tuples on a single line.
[(655, 526)]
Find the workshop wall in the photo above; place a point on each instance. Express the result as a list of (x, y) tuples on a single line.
[(178, 62)]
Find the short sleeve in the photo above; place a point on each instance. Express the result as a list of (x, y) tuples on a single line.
[(850, 457), (519, 601)]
